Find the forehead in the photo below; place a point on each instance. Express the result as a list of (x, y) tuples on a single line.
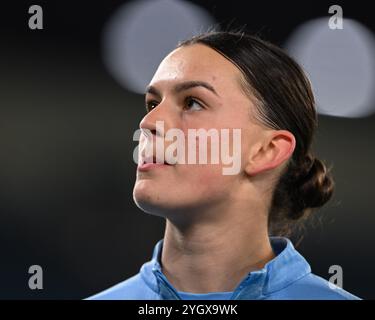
[(197, 62)]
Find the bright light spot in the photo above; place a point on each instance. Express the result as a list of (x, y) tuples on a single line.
[(141, 33), (340, 64)]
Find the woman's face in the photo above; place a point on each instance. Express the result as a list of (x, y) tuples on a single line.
[(195, 87)]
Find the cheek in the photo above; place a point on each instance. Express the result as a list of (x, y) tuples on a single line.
[(204, 181)]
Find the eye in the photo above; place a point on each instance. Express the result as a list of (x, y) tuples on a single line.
[(151, 105), (192, 104)]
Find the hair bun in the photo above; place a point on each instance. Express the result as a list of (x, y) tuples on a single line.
[(313, 186)]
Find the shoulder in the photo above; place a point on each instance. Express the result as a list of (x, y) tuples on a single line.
[(312, 287), (133, 288)]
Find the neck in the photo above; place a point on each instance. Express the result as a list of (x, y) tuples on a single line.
[(212, 256)]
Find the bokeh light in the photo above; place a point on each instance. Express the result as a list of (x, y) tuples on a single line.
[(340, 65), (141, 33)]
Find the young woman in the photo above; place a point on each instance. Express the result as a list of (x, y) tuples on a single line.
[(225, 235)]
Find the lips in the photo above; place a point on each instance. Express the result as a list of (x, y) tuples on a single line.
[(152, 162)]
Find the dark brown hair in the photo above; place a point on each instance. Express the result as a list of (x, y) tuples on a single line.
[(284, 101)]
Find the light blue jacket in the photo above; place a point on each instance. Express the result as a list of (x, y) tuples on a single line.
[(287, 276)]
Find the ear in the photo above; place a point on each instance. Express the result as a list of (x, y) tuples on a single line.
[(276, 147)]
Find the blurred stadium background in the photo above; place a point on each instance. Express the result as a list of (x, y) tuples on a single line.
[(71, 99)]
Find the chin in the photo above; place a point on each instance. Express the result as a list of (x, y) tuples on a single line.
[(150, 200), (167, 202)]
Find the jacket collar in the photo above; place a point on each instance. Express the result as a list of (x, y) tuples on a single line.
[(287, 267)]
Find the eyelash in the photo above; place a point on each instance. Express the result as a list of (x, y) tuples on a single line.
[(149, 105), (188, 99)]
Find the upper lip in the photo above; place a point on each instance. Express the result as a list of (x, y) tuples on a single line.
[(153, 159)]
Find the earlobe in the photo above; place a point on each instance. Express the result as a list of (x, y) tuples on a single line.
[(275, 150)]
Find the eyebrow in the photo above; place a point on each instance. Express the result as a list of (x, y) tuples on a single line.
[(183, 86)]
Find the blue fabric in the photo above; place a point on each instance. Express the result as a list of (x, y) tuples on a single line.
[(287, 276), (205, 296)]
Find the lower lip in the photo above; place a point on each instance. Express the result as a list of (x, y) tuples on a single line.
[(149, 166)]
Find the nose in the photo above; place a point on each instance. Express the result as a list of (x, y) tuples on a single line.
[(154, 126), (160, 113)]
